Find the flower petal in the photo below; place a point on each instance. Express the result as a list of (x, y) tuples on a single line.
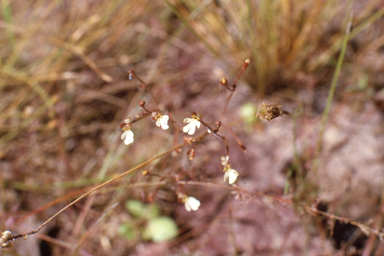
[(128, 137), (164, 122), (191, 204), (164, 125), (231, 175), (225, 176), (187, 128), (123, 135), (192, 128)]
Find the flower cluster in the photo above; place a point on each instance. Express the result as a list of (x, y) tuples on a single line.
[(229, 173), (126, 126), (6, 239), (161, 121)]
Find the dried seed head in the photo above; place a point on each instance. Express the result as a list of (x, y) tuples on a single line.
[(269, 111)]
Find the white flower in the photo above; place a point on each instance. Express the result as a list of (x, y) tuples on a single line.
[(191, 127), (163, 122), (127, 136), (231, 175), (191, 204)]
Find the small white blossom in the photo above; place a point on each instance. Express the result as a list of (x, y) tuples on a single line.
[(191, 204), (231, 175), (190, 128), (127, 136), (163, 122)]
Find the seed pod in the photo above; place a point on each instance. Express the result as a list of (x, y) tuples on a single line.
[(269, 111)]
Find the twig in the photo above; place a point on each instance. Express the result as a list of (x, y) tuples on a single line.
[(232, 90)]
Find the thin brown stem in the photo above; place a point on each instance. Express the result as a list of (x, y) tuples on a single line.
[(144, 85), (245, 65), (144, 115), (239, 143), (226, 104), (214, 133), (286, 113)]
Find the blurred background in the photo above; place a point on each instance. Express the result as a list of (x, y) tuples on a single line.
[(65, 89)]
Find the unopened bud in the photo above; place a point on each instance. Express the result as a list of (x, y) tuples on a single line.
[(191, 154), (188, 140), (223, 82), (246, 63), (141, 103)]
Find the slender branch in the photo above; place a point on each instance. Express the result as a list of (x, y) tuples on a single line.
[(144, 115), (94, 189), (232, 90), (239, 143), (214, 133), (144, 85), (226, 104)]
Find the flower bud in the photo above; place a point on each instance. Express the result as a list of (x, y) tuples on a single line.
[(223, 82), (191, 154), (246, 63), (188, 140), (141, 103)]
